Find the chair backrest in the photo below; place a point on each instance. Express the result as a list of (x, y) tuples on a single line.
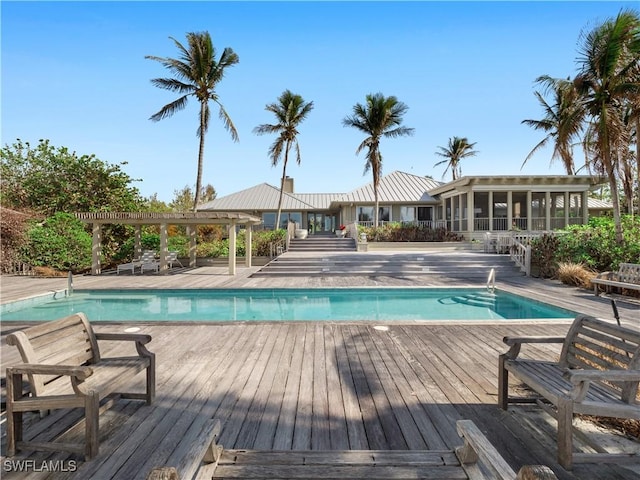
[(597, 344), (172, 256), (148, 256), (68, 341), (629, 273)]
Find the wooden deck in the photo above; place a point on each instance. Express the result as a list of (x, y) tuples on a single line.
[(319, 386)]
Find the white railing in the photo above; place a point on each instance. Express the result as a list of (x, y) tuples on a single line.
[(491, 281), (521, 255)]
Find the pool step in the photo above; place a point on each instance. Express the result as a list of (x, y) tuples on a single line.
[(480, 299)]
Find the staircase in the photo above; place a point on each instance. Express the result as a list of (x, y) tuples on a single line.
[(322, 243), (339, 259)]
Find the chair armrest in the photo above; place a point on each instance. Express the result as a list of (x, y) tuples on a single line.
[(577, 376), (581, 379), (516, 342), (605, 276), (141, 340), (533, 339), (79, 372), (131, 337)]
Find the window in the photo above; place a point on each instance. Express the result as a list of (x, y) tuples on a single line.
[(365, 214), (407, 214)]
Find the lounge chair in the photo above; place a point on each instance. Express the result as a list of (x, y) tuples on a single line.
[(128, 266), (149, 262), (147, 256), (172, 257)]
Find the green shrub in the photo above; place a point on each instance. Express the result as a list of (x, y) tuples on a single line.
[(60, 242), (592, 245), (396, 232)]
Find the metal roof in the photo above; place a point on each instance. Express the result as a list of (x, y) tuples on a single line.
[(259, 198), (396, 187)]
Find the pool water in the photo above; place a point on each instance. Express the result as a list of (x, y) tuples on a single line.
[(338, 304)]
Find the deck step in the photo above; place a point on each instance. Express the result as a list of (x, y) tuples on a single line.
[(339, 464)]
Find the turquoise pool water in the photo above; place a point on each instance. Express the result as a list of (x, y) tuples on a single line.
[(342, 304)]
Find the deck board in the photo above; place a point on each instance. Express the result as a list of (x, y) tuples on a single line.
[(306, 385)]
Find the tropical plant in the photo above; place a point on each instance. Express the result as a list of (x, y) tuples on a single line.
[(197, 74), (290, 111), (47, 179), (563, 120), (458, 148), (608, 80), (60, 242), (379, 117)]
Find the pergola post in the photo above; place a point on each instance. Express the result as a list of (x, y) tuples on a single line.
[(247, 244), (566, 208), (137, 242), (96, 249), (164, 249), (585, 207), (232, 248), (192, 231)]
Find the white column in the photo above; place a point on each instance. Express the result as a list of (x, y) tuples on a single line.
[(163, 248), (471, 214), (247, 245), (547, 210), (567, 206), (232, 248), (490, 211), (96, 249), (509, 210), (529, 212), (459, 212), (585, 206)]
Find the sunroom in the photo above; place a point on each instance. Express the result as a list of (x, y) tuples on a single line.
[(475, 205)]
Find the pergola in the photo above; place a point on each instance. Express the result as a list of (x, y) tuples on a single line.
[(190, 219)]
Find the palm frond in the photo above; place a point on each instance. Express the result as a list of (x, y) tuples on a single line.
[(170, 108)]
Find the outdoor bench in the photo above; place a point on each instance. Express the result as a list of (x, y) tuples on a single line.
[(627, 276), (597, 374), (64, 369)]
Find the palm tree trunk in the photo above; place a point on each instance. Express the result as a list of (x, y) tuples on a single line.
[(615, 198), (196, 199), (284, 176), (638, 162)]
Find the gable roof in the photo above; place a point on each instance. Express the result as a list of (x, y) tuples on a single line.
[(260, 197), (396, 187)]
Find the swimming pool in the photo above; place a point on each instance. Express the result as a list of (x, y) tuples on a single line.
[(336, 304)]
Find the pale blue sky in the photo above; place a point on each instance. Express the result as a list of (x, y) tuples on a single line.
[(75, 73)]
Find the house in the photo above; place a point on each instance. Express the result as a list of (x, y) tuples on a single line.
[(468, 205)]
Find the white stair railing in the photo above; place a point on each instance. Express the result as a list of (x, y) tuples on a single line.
[(491, 281), (521, 256)]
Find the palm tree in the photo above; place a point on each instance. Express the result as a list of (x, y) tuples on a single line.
[(290, 111), (379, 117), (197, 73), (458, 148), (608, 80), (562, 121)]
